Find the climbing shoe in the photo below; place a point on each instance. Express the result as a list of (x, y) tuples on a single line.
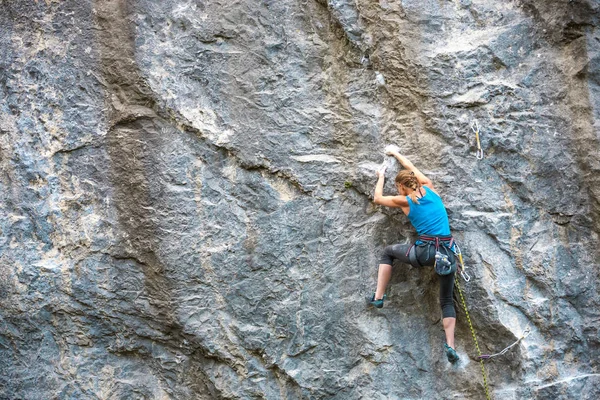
[(451, 354), (375, 303)]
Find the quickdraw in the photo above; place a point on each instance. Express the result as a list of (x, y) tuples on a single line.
[(462, 269), (475, 128)]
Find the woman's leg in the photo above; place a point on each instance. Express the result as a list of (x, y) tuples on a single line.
[(390, 253), (383, 277), (426, 256), (447, 304), (449, 324)]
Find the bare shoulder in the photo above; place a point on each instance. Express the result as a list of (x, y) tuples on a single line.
[(430, 186)]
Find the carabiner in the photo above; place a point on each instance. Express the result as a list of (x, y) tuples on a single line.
[(475, 128)]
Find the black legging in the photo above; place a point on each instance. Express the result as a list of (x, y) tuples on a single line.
[(426, 256)]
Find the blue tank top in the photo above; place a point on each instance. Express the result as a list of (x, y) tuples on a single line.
[(429, 217)]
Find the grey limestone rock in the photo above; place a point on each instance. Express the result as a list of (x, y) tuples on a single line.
[(186, 197)]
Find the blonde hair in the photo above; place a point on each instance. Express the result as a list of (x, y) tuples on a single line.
[(408, 179)]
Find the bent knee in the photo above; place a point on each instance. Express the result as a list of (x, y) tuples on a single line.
[(448, 310), (388, 255)]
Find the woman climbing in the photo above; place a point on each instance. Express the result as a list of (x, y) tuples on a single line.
[(421, 203)]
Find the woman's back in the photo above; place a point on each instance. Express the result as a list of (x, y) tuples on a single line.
[(429, 217)]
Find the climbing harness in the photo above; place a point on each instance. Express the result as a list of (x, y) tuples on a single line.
[(525, 333), (446, 241), (464, 304), (475, 128), (442, 265)]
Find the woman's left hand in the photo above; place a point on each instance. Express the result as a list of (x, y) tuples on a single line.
[(381, 172)]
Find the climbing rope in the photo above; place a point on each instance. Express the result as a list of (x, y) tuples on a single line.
[(475, 128), (525, 333), (464, 304)]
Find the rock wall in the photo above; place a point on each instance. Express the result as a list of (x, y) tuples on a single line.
[(186, 197)]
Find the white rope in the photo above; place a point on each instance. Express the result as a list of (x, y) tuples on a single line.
[(525, 333)]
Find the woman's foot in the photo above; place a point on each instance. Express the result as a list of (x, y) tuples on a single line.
[(375, 303), (451, 354)]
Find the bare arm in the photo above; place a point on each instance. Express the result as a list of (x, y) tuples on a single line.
[(388, 201), (423, 180)]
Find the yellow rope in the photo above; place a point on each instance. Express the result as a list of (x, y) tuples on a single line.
[(464, 304)]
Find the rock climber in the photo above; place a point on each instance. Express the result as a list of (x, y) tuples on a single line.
[(419, 200)]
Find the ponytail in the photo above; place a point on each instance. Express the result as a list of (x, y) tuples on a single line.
[(409, 180)]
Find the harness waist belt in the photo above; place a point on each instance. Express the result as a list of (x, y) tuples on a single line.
[(426, 238), (447, 241)]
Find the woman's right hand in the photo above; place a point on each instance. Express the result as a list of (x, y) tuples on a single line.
[(392, 150)]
